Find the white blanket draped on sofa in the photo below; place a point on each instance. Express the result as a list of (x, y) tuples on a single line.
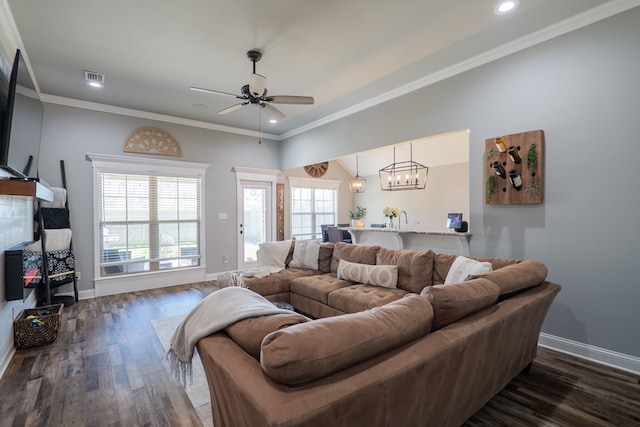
[(218, 310)]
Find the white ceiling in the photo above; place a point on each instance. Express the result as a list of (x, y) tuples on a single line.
[(345, 53)]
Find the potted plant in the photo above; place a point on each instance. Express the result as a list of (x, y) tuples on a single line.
[(356, 216)]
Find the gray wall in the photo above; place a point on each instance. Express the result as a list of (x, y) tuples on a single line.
[(583, 90), (70, 133)]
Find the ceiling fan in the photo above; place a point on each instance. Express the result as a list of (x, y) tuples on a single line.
[(255, 93)]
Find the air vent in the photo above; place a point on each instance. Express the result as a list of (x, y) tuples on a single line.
[(94, 79)]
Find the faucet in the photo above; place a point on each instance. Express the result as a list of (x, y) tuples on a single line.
[(406, 220)]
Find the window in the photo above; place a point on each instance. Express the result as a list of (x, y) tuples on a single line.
[(147, 222), (148, 219), (313, 203)]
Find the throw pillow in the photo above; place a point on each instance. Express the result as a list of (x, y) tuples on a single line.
[(462, 267), (453, 302), (385, 276), (248, 333), (305, 254), (516, 277), (308, 351), (272, 255)]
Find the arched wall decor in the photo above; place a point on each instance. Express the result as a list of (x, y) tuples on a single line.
[(149, 140)]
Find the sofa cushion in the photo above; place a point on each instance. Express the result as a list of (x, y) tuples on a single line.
[(463, 267), (318, 287), (355, 298), (385, 276), (442, 263), (308, 351), (415, 268), (248, 333), (453, 302), (305, 254), (497, 263), (516, 277), (276, 283), (362, 254), (324, 257)]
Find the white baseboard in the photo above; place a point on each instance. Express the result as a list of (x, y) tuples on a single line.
[(91, 293), (214, 276), (592, 353), (6, 360), (82, 293)]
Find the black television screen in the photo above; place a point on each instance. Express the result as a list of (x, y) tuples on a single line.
[(22, 125)]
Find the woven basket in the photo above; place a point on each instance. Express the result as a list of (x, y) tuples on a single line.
[(27, 333)]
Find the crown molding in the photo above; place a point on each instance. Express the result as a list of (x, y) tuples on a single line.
[(581, 20), (105, 108)]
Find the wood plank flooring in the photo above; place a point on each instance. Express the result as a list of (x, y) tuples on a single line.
[(107, 369)]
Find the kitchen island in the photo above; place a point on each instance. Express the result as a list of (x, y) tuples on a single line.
[(439, 241)]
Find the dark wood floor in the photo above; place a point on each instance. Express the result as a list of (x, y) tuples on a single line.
[(107, 369)]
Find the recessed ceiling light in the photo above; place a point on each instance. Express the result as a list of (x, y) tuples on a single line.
[(506, 6), (273, 121)]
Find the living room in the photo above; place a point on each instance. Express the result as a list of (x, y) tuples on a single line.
[(579, 84)]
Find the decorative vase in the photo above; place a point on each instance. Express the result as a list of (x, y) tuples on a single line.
[(357, 223), (390, 223)]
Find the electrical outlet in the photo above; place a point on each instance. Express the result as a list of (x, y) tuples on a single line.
[(225, 259), (78, 275)]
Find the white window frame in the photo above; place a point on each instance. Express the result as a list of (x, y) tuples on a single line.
[(315, 183), (110, 285)]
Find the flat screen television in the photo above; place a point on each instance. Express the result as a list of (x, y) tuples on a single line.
[(22, 123), (454, 220)]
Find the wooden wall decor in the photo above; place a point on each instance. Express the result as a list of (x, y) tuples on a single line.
[(280, 211), (149, 140), (512, 161)]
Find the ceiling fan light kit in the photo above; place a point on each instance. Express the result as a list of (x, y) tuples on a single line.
[(255, 93), (257, 85), (406, 175)]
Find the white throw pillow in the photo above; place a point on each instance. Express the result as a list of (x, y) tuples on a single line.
[(385, 276), (272, 255), (305, 254), (462, 267)]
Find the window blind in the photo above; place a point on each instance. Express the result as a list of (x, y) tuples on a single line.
[(148, 222)]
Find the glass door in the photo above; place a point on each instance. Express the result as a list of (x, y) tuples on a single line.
[(255, 221)]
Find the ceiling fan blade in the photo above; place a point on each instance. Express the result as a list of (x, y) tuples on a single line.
[(272, 111), (257, 84), (289, 99), (215, 92), (232, 108)]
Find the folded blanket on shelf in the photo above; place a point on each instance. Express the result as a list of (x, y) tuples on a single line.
[(57, 240), (59, 198)]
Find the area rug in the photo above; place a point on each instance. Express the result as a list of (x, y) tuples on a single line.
[(198, 392)]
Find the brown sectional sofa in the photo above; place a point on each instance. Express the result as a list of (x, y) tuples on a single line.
[(422, 353)]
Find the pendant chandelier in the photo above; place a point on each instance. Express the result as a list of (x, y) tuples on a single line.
[(406, 175), (357, 183)]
